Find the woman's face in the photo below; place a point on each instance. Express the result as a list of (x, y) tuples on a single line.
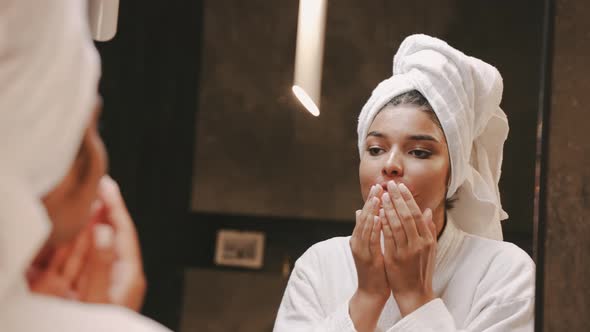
[(69, 204), (405, 145)]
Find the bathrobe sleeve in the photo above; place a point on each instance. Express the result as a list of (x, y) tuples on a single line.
[(504, 302)]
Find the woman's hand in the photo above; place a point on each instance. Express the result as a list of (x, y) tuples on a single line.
[(102, 264), (372, 293), (410, 248), (56, 270), (114, 271)]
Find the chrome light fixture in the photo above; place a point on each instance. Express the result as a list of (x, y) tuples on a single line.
[(309, 53), (103, 15)]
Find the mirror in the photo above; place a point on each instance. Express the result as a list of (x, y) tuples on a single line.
[(220, 143), (261, 162)]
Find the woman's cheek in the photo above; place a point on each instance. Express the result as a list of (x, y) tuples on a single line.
[(428, 187)]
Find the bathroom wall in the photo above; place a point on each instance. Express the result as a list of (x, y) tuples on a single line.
[(565, 245)]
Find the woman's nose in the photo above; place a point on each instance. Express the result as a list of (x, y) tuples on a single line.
[(393, 165)]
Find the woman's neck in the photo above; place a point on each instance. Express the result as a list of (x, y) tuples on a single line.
[(440, 219), (444, 225)]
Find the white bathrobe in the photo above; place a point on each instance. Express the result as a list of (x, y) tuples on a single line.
[(23, 311), (479, 284)]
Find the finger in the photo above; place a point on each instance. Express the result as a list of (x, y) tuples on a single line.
[(365, 212), (394, 222), (368, 222), (75, 261), (103, 237), (374, 208), (405, 216), (375, 240), (84, 278), (81, 284), (126, 240), (374, 192), (430, 223), (97, 210), (117, 214), (57, 260), (382, 217), (378, 191), (389, 245), (357, 221), (421, 227), (377, 206), (50, 284), (96, 283), (360, 227)]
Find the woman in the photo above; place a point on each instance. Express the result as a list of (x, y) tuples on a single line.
[(52, 171), (426, 252)]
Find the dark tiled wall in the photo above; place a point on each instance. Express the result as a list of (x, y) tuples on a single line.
[(265, 156), (566, 269)]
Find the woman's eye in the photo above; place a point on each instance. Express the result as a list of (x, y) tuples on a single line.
[(422, 154), (375, 151)]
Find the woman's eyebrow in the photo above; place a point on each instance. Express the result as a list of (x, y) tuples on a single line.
[(376, 134), (418, 137), (422, 137)]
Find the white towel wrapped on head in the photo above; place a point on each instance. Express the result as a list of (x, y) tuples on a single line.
[(465, 94), (49, 72)]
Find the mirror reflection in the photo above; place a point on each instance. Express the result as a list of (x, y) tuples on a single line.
[(269, 166)]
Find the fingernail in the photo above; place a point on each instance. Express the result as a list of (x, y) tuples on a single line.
[(403, 189), (391, 185), (96, 205), (386, 198), (374, 189), (103, 236), (109, 185), (394, 189)]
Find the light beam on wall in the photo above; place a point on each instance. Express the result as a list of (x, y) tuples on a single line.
[(309, 53)]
